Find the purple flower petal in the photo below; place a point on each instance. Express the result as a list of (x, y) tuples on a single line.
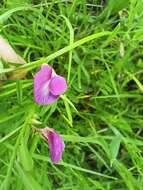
[(43, 75), (57, 85), (48, 86), (41, 86), (56, 144), (45, 100)]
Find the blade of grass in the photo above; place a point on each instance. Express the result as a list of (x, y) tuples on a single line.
[(59, 52)]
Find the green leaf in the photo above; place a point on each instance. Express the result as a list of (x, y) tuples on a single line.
[(28, 180), (115, 6), (19, 91), (7, 14), (129, 180), (114, 149), (68, 110), (25, 157)]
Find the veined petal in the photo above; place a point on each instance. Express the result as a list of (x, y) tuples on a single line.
[(43, 75), (41, 86), (45, 100)]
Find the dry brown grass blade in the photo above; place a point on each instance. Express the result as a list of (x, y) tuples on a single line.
[(8, 54)]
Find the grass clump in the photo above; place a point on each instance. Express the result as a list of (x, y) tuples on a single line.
[(97, 46)]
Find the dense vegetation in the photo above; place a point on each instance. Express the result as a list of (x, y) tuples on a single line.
[(97, 46)]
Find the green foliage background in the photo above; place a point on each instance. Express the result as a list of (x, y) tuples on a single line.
[(98, 46)]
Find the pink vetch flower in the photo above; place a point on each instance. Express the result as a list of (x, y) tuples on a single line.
[(48, 86), (56, 144)]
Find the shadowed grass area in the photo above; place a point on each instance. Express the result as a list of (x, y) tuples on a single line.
[(97, 46)]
